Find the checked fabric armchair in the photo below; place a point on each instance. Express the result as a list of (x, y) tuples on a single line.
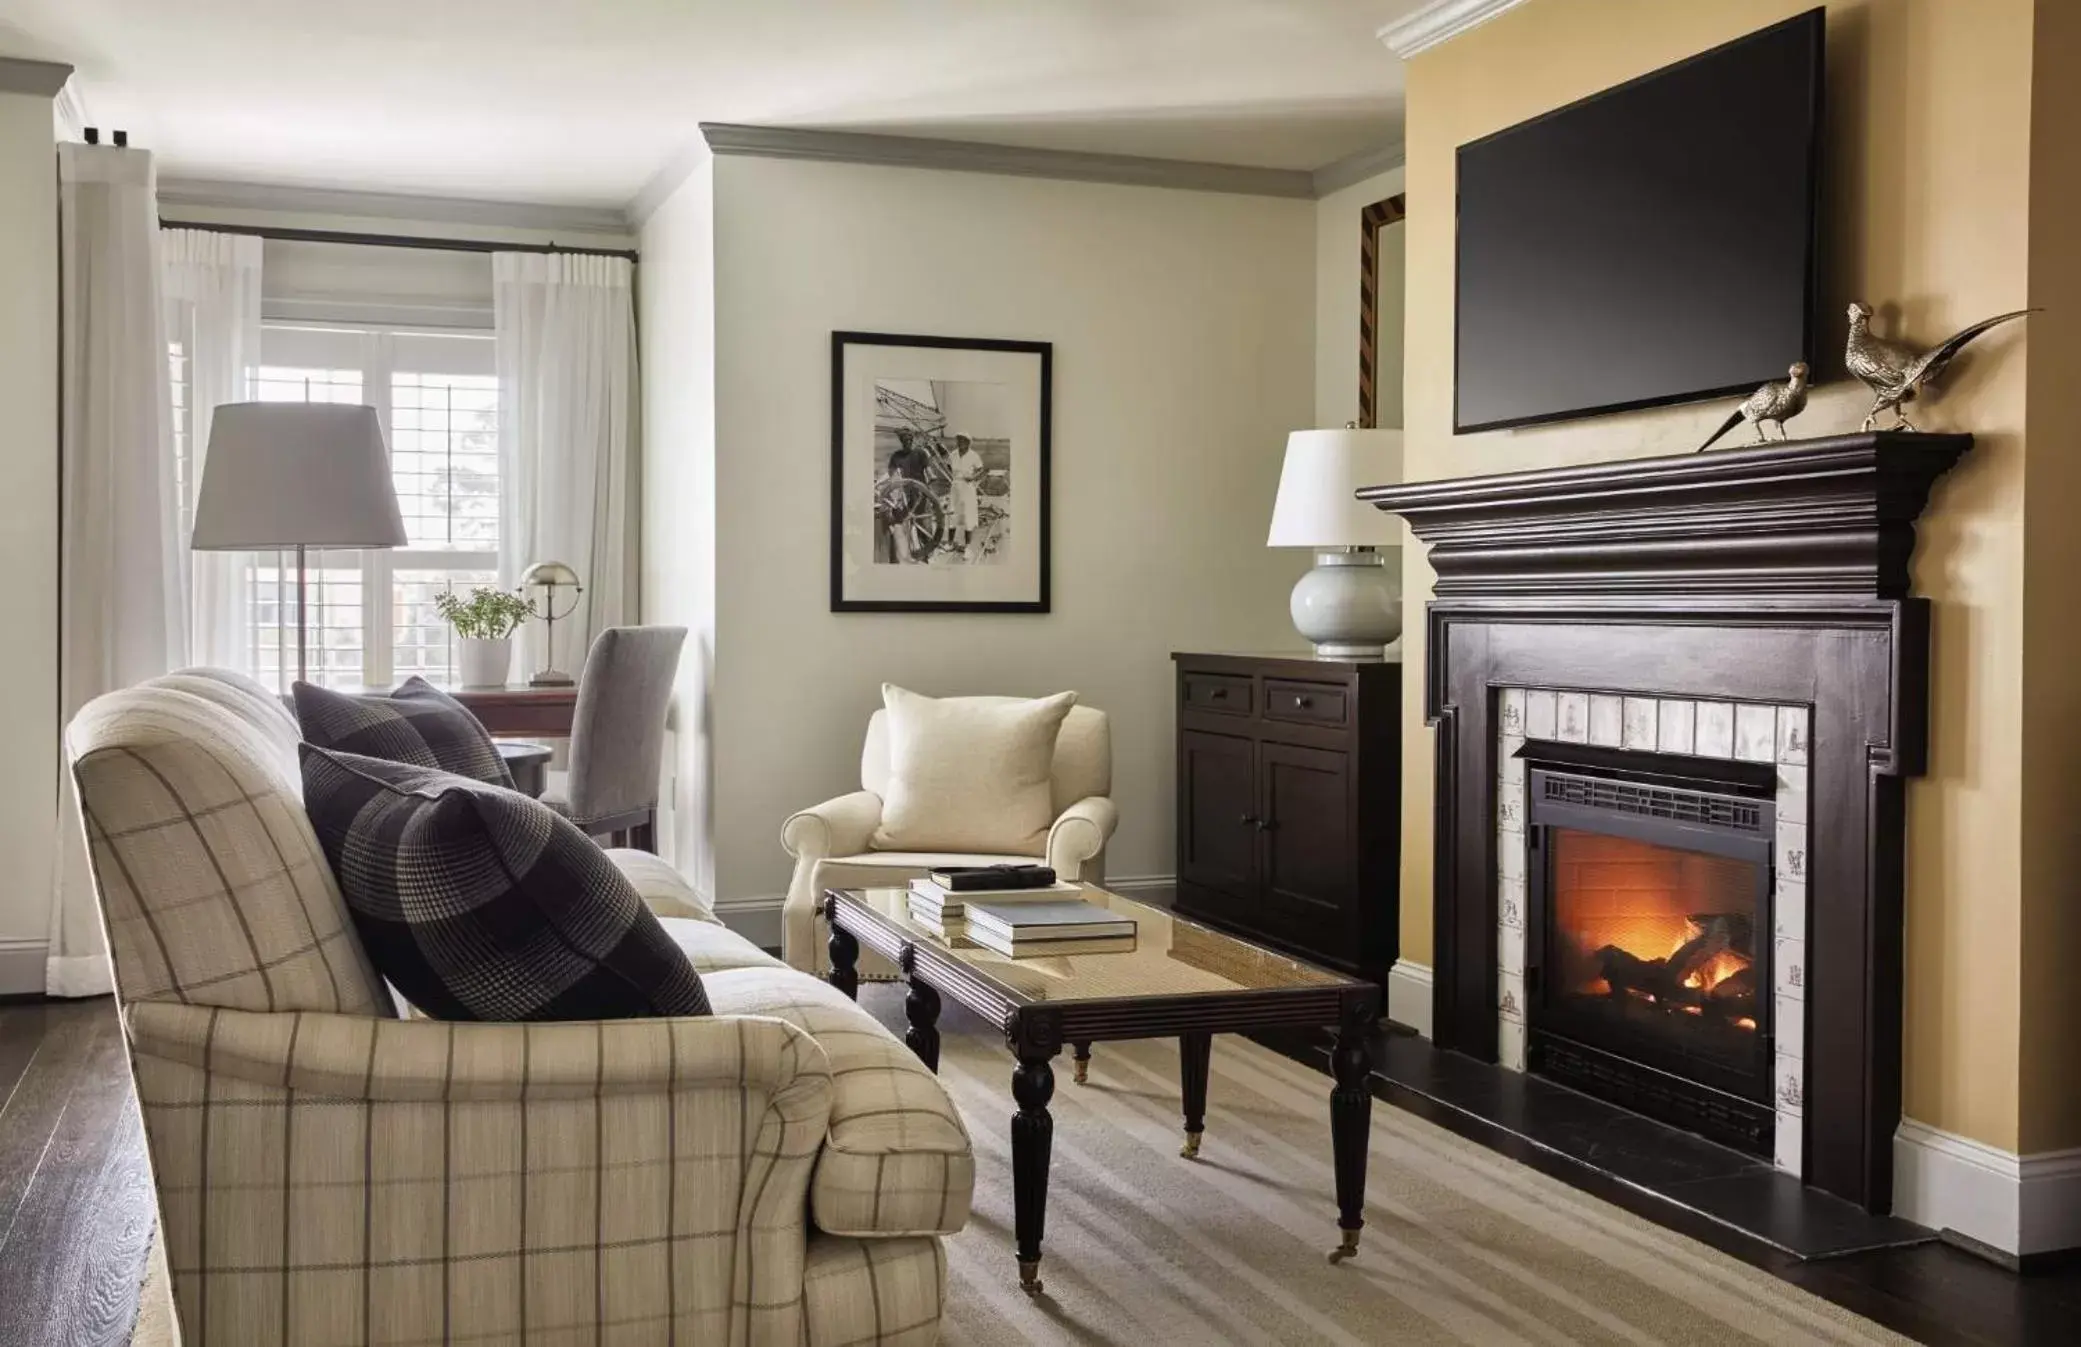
[(777, 1173)]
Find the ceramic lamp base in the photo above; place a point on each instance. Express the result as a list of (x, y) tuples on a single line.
[(1348, 606)]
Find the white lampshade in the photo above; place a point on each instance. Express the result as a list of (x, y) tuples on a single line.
[(283, 474), (1324, 468)]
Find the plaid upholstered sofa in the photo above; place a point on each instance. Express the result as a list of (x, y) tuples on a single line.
[(330, 1173)]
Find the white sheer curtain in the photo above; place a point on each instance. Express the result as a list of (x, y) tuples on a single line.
[(566, 358), (121, 601), (212, 284)]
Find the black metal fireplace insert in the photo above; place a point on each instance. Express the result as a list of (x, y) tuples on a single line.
[(1647, 934)]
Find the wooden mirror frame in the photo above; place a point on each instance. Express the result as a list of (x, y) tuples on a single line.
[(1372, 220)]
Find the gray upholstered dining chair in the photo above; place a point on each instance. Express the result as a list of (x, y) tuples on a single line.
[(618, 735)]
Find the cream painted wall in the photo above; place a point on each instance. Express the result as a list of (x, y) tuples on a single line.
[(1182, 324), (28, 530), (675, 319), (1929, 198), (1336, 304)]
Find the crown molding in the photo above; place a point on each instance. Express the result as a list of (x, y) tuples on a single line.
[(73, 119), (41, 79), (964, 156), (1354, 168), (1439, 21), (198, 193)]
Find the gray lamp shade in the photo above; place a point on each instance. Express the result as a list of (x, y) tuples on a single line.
[(284, 474)]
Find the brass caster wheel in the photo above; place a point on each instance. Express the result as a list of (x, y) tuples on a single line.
[(1190, 1150), (1080, 1069), (1348, 1248), (1029, 1277)]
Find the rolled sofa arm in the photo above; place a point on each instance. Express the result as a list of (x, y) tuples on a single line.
[(1080, 834), (471, 1150), (839, 827)]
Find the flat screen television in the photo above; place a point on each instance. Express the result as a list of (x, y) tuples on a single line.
[(1651, 244)]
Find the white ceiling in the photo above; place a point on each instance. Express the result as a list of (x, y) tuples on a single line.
[(580, 102)]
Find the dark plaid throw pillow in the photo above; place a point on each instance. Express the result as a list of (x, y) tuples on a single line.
[(482, 904), (418, 725)]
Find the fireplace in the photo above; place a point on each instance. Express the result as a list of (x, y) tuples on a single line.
[(1648, 921), (1753, 607)]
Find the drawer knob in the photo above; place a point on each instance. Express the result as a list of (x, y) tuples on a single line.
[(1303, 700), (1250, 821), (1219, 694)]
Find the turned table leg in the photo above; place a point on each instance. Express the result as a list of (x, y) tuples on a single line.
[(1033, 1134), (1194, 1051), (921, 1009), (1351, 1128), (845, 958)]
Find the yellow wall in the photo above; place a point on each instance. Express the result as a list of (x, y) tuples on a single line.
[(1929, 173), (2051, 1065)]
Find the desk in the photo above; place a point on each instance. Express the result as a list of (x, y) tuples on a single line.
[(518, 709)]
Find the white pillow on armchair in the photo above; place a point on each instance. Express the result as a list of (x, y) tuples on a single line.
[(971, 774)]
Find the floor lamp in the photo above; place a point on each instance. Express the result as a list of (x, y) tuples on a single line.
[(295, 474)]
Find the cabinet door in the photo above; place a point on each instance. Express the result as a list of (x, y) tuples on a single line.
[(1217, 812), (1308, 853)]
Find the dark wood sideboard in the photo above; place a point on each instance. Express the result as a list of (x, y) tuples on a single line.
[(1289, 803)]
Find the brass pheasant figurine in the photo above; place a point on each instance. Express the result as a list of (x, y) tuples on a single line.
[(1895, 374), (1776, 403)]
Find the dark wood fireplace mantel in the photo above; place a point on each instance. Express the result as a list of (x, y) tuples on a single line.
[(1777, 574)]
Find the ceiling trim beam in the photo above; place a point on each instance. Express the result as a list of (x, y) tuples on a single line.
[(198, 193), (1356, 168), (964, 156), (41, 79), (1439, 21)]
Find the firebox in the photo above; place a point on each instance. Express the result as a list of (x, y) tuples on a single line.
[(1647, 949)]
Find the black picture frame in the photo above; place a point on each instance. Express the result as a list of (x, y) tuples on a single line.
[(1041, 601)]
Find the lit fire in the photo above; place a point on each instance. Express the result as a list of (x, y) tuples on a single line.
[(1716, 970)]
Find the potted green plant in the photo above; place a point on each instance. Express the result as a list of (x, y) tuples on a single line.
[(484, 625)]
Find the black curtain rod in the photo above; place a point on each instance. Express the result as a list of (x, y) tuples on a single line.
[(395, 240)]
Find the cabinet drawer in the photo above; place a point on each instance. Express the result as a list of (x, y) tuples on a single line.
[(1305, 703), (1227, 694)]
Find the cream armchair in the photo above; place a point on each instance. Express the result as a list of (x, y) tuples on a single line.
[(832, 843)]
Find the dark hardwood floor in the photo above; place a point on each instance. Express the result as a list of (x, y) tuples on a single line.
[(76, 1210)]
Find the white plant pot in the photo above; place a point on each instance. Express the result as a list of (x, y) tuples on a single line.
[(483, 663)]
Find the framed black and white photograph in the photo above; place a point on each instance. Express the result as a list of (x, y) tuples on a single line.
[(939, 474)]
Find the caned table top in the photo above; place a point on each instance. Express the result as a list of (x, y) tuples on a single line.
[(1172, 957)]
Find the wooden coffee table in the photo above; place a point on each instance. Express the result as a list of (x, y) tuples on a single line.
[(1181, 980)]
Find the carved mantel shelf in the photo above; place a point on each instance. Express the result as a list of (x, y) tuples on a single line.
[(1826, 517), (1775, 575)]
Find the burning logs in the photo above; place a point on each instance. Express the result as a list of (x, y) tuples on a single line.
[(1711, 971)]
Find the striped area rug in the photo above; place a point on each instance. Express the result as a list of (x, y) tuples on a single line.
[(1145, 1249)]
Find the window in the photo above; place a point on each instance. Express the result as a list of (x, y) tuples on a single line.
[(372, 617)]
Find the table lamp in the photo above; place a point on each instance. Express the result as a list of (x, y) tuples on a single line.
[(1347, 606), (295, 474), (548, 576)]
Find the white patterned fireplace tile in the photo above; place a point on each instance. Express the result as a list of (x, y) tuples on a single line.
[(1767, 734), (1793, 732), (1607, 720), (1639, 730), (1788, 966), (1676, 726), (1541, 713), (1756, 733), (1715, 730), (1789, 1024)]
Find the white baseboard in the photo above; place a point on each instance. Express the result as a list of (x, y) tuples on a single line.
[(756, 919), (1131, 883), (1409, 995), (2019, 1204), (22, 965)]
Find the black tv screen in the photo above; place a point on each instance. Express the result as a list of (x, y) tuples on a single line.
[(1651, 244)]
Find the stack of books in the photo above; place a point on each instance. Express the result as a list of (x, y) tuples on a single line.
[(1038, 930), (940, 901)]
